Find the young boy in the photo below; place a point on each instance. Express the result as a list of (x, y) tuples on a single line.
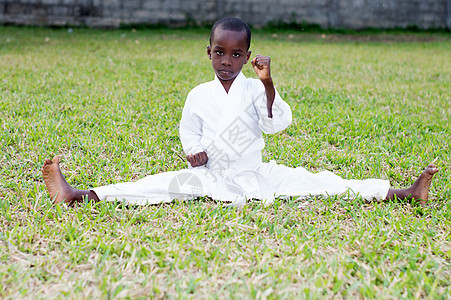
[(221, 133)]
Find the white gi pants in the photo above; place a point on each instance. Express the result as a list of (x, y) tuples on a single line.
[(268, 181)]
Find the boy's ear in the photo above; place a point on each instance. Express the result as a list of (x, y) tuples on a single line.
[(209, 51), (248, 56)]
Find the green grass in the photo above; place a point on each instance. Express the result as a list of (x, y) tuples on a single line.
[(109, 103)]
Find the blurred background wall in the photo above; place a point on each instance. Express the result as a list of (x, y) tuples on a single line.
[(349, 14)]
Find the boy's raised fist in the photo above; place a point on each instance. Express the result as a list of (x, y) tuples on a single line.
[(261, 66)]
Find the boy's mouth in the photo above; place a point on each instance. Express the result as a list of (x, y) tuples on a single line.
[(225, 72)]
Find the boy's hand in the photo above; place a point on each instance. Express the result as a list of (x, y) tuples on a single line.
[(261, 66), (198, 159)]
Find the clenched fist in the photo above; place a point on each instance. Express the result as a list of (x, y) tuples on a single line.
[(261, 66), (198, 159)]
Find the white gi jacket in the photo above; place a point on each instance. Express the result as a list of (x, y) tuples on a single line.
[(229, 126)]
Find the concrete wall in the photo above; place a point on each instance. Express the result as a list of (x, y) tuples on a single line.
[(355, 14)]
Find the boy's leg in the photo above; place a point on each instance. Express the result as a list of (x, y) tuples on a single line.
[(58, 187), (419, 189), (152, 189)]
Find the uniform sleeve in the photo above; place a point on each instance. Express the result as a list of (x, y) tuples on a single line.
[(281, 111), (190, 128)]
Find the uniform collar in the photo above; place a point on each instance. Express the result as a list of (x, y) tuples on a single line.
[(239, 79)]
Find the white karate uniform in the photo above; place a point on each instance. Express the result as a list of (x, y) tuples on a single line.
[(228, 127)]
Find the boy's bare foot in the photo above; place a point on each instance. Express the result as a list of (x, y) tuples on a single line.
[(58, 187), (419, 189)]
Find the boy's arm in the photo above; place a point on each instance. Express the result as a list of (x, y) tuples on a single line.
[(274, 113), (190, 135), (261, 66)]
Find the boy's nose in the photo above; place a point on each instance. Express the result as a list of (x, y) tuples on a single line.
[(226, 61)]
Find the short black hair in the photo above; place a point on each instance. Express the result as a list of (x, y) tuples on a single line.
[(232, 24)]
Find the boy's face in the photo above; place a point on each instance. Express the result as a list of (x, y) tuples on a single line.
[(228, 53)]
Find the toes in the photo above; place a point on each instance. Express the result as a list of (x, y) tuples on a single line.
[(431, 169), (47, 162), (56, 159)]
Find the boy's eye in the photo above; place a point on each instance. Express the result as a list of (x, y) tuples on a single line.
[(219, 52), (236, 55)]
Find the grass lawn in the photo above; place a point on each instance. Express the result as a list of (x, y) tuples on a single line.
[(109, 102)]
